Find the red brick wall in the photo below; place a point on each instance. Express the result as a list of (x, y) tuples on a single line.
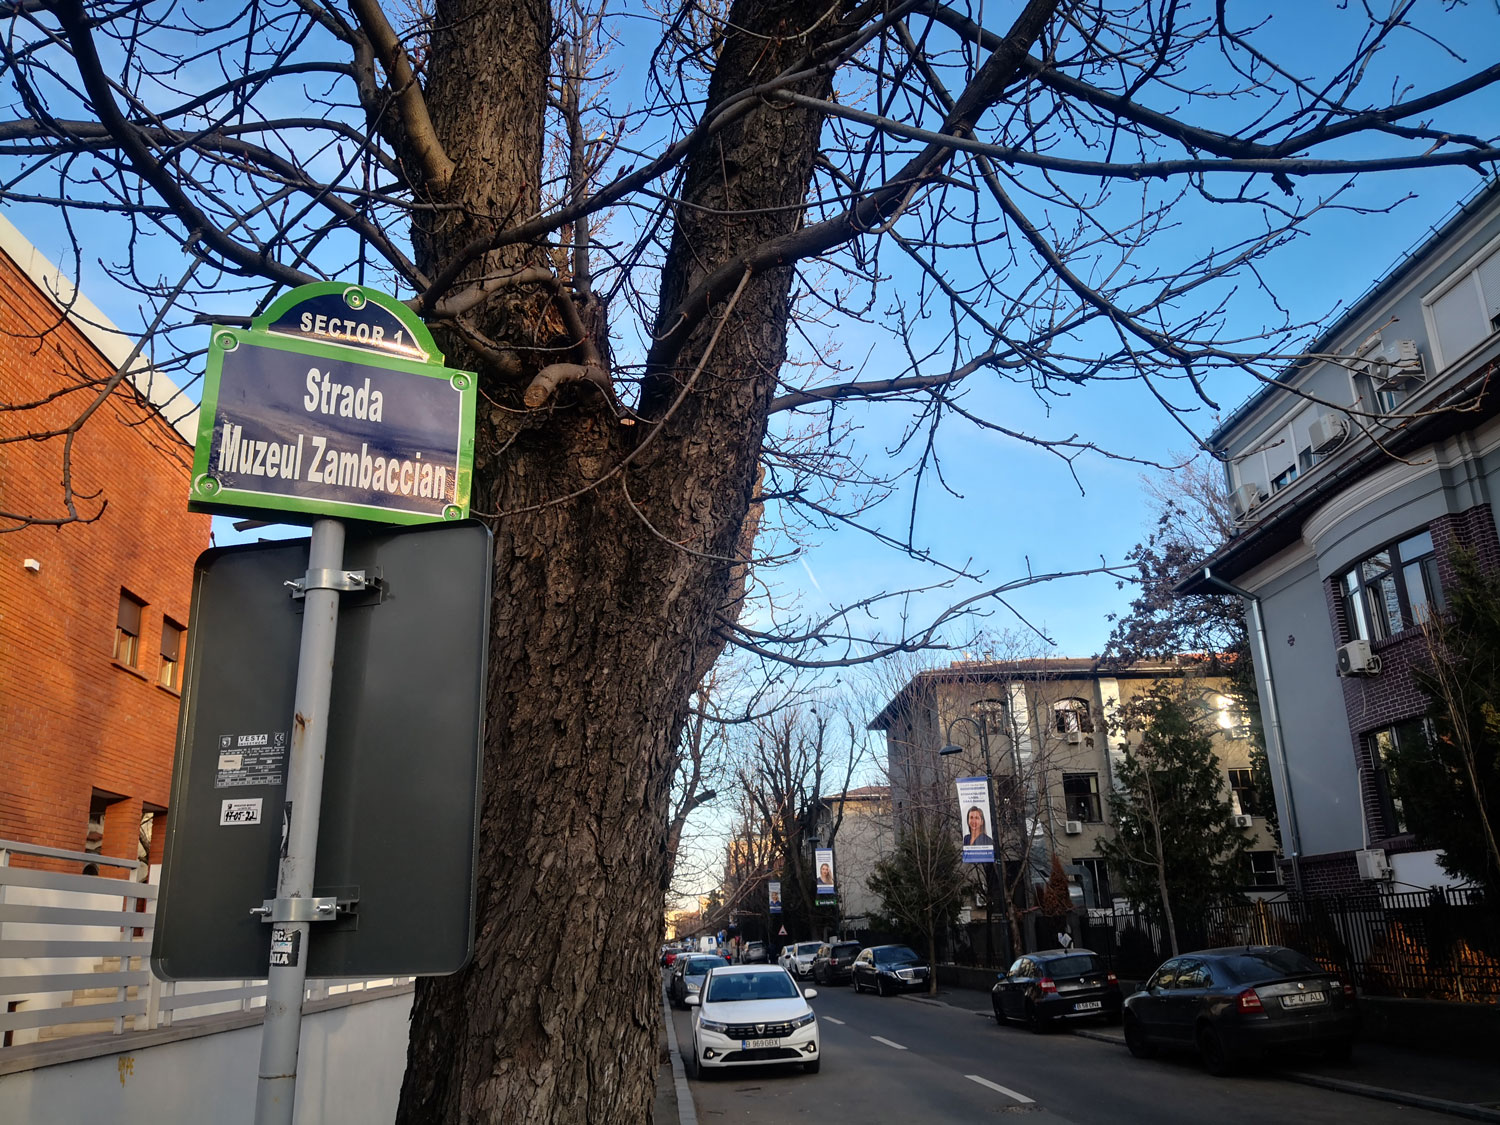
[(71, 719), (1375, 702)]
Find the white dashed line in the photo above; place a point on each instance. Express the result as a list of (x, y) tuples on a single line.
[(888, 1043), (830, 1019), (999, 1089)]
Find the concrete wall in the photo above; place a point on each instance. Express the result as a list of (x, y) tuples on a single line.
[(352, 1060)]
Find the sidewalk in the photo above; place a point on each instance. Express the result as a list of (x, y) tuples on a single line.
[(1461, 1086)]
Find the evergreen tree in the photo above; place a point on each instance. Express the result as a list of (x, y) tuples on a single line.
[(921, 884), (1450, 786), (1176, 850)]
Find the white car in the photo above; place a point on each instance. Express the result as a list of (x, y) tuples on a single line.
[(750, 1015), (797, 959)]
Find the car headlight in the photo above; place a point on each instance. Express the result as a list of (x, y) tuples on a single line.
[(711, 1025), (803, 1021)]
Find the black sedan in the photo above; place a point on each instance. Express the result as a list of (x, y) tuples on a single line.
[(888, 969), (1053, 985), (834, 962), (1237, 1003), (687, 975)]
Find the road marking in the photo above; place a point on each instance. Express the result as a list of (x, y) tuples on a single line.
[(887, 1042), (999, 1089), (830, 1019)]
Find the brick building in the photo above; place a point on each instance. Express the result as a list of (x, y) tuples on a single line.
[(1352, 478), (93, 615)]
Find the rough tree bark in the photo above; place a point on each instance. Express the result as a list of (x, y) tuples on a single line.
[(606, 600)]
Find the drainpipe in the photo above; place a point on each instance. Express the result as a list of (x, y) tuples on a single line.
[(1276, 746)]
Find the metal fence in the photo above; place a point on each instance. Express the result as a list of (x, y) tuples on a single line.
[(1440, 944), (75, 955)]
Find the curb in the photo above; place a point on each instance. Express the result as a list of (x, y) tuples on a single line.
[(1359, 1089), (686, 1113)]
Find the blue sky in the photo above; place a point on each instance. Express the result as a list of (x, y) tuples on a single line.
[(1018, 503)]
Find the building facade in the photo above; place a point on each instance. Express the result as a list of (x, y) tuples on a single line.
[(93, 614), (1042, 725), (859, 824), (1352, 479)]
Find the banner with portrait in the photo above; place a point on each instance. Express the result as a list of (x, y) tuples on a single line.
[(974, 816), (823, 863), (773, 893)]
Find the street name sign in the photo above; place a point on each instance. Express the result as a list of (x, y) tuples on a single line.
[(334, 402)]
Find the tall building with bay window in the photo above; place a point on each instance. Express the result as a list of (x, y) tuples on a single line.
[(1353, 478), (93, 613)]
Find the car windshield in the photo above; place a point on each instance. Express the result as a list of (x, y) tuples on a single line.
[(844, 950), (697, 966), (726, 988), (1266, 964), (807, 949), (1073, 966), (895, 955)]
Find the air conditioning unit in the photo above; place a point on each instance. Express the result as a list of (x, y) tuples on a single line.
[(1356, 659), (1242, 821), (1244, 498), (1073, 827), (1327, 432), (1395, 365), (1373, 864), (1073, 737)]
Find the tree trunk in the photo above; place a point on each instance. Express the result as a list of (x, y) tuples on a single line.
[(601, 624)]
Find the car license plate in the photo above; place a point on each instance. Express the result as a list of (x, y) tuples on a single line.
[(752, 1044), (1302, 998), (1088, 1006)]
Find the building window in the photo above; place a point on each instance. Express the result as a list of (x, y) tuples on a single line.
[(93, 834), (1383, 743), (128, 629), (1284, 478), (1468, 311), (1096, 892), (169, 675), (1263, 870), (1071, 716), (1246, 798), (1392, 590), (1081, 797)]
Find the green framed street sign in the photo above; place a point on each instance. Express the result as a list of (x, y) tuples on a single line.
[(334, 402)]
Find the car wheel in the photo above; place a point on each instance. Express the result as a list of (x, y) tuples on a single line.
[(1034, 1021), (1137, 1042), (813, 1067), (1216, 1060), (880, 987), (999, 1012)]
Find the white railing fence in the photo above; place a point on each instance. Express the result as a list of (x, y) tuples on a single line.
[(75, 953)]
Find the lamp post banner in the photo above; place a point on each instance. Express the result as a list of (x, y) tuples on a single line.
[(974, 813), (774, 891), (823, 861)]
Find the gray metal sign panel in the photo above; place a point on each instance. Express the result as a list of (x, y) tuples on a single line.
[(399, 823)]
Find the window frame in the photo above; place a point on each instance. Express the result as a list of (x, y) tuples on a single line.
[(1366, 606), (1466, 275), (130, 612), (1387, 784), (1078, 710), (1096, 802), (1247, 784), (1270, 876), (169, 673)]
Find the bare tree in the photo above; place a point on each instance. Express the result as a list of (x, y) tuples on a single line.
[(991, 201)]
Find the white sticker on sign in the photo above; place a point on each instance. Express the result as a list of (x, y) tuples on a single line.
[(240, 810), (231, 761)]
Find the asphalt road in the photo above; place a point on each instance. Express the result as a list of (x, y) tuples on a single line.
[(908, 1059)]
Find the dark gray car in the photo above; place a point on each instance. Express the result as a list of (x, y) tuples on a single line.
[(688, 972), (1237, 1003)]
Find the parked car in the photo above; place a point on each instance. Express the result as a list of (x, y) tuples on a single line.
[(751, 1015), (797, 959), (834, 962), (1233, 1004), (754, 953), (688, 973), (889, 968), (1052, 985), (668, 954)]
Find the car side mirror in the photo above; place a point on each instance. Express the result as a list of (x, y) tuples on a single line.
[(1002, 976), (809, 993), (693, 1000)]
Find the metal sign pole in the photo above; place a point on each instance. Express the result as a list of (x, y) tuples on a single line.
[(294, 909)]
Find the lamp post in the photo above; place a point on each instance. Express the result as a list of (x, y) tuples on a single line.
[(981, 727)]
